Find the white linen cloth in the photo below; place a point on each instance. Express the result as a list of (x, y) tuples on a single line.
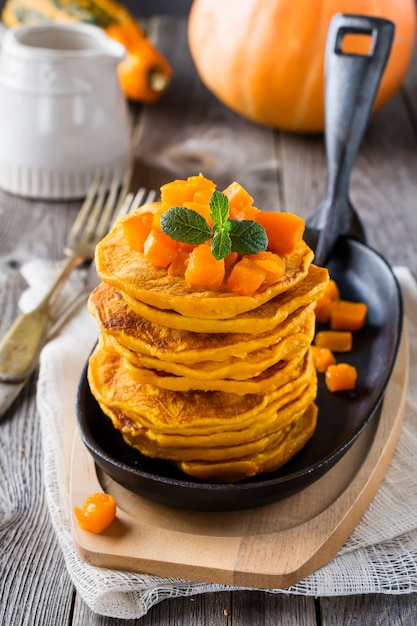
[(379, 557)]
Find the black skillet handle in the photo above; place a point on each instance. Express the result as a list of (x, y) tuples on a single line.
[(352, 82)]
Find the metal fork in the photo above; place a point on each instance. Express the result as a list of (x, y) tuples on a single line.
[(10, 390), (21, 345)]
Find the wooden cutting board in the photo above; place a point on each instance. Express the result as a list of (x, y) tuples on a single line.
[(270, 547)]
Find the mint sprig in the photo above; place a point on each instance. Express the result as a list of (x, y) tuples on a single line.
[(188, 226), (247, 236), (185, 225), (219, 210)]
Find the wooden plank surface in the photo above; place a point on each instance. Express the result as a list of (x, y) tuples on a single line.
[(189, 130)]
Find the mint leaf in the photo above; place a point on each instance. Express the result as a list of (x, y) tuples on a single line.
[(222, 228), (185, 225), (247, 236), (221, 244), (219, 209), (188, 226)]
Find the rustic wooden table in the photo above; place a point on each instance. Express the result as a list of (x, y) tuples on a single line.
[(186, 132)]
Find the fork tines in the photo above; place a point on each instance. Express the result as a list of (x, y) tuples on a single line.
[(134, 201), (102, 202)]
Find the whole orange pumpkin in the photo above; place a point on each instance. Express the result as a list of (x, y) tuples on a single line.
[(265, 58)]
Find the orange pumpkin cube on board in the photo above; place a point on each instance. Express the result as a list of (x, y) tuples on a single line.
[(97, 512), (341, 377), (284, 230), (203, 270)]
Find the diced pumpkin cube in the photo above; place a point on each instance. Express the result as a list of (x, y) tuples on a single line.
[(177, 192), (186, 247), (159, 249), (97, 512), (240, 203), (201, 209), (269, 262), (203, 269), (178, 266), (284, 230), (347, 315), (158, 213), (245, 278), (201, 182), (247, 213), (322, 358), (202, 196), (238, 196), (229, 261), (341, 377), (136, 229), (334, 340)]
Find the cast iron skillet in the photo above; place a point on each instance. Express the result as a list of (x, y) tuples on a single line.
[(334, 230)]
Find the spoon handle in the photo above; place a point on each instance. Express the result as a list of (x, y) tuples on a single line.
[(352, 82)]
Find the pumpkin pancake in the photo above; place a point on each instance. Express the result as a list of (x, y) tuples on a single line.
[(211, 445), (260, 320), (266, 381), (234, 445), (145, 337), (292, 440), (140, 429), (227, 462), (234, 368), (112, 385), (128, 270), (183, 412)]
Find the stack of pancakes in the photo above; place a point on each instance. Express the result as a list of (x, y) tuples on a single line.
[(219, 384)]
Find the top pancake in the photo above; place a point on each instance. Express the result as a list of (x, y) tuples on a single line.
[(262, 319), (120, 266)]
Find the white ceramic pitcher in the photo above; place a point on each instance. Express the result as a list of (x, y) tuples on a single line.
[(63, 116)]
